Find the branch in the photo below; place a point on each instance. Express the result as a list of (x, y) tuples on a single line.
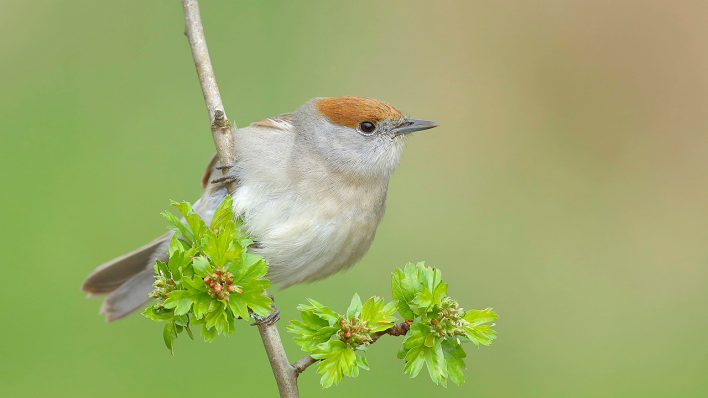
[(222, 131), (398, 329)]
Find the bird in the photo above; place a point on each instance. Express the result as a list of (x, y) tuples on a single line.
[(311, 192)]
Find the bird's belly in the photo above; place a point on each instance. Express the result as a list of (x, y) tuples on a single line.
[(306, 240)]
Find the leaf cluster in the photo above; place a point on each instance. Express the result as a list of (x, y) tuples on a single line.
[(209, 279), (339, 340), (439, 325)]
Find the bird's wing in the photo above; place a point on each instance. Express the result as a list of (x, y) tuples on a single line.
[(284, 121), (209, 168)]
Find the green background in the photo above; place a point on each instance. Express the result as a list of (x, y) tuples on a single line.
[(566, 186)]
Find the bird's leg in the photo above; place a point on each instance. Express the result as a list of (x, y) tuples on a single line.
[(230, 174)]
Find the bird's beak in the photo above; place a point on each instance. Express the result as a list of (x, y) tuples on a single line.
[(411, 125)]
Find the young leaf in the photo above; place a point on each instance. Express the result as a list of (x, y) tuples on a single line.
[(181, 300), (158, 315), (313, 330), (405, 286), (476, 331), (223, 213), (454, 356), (180, 226), (354, 307), (201, 266), (168, 334), (378, 316), (338, 360)]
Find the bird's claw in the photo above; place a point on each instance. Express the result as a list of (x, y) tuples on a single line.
[(269, 319), (230, 174)]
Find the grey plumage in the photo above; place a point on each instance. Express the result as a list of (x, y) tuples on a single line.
[(311, 190)]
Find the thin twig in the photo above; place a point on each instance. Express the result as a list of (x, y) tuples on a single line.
[(222, 130), (223, 134), (398, 329)]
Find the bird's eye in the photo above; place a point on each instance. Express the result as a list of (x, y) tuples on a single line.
[(367, 127)]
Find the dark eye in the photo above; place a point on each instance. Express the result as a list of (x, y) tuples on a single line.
[(367, 127)]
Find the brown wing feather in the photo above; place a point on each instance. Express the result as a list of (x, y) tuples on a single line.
[(283, 121), (208, 171)]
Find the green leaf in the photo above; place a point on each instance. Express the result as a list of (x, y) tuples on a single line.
[(181, 300), (168, 334), (435, 361), (223, 214), (217, 318), (221, 249), (477, 317), (209, 334), (378, 316), (476, 331), (482, 334), (338, 360), (253, 298), (433, 357), (416, 335), (162, 268), (180, 226), (415, 359), (254, 266), (423, 300), (202, 302), (454, 356), (313, 330), (198, 227), (354, 307), (328, 314), (201, 266), (404, 286), (159, 315)]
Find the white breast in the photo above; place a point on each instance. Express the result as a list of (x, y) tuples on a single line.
[(307, 236)]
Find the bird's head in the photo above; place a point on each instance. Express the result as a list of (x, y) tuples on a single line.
[(359, 136)]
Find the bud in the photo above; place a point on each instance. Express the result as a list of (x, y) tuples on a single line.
[(347, 335), (230, 275), (342, 322), (231, 288), (207, 280), (217, 287)]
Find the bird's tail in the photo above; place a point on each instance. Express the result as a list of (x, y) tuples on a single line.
[(127, 280)]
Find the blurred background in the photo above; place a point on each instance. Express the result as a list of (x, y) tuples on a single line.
[(566, 186)]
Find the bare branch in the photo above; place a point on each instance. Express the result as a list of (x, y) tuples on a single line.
[(303, 364), (222, 131), (398, 329)]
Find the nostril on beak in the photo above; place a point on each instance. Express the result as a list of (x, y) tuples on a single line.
[(411, 125)]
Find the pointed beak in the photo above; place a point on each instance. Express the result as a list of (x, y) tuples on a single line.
[(411, 125)]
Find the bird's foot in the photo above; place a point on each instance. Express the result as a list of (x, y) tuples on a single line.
[(270, 319), (230, 172)]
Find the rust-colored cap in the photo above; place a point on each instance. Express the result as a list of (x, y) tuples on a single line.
[(351, 111)]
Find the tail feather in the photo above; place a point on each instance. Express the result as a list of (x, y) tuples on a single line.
[(127, 280), (129, 297), (111, 275)]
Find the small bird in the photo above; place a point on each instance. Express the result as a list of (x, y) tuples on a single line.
[(311, 191)]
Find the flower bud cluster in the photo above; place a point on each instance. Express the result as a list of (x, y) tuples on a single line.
[(220, 284), (449, 321), (354, 332), (163, 287)]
